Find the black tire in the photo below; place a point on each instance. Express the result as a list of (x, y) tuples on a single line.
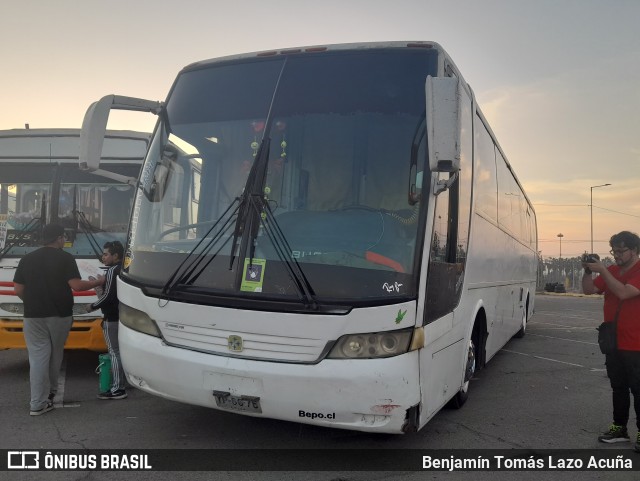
[(460, 398), (470, 367)]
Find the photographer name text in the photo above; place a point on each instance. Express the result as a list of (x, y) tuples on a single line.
[(531, 463)]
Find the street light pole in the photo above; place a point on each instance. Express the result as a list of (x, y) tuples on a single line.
[(591, 205), (560, 236)]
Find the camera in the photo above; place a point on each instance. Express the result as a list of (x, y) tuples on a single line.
[(589, 258)]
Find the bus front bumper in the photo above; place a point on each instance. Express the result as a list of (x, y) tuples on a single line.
[(375, 395), (84, 334)]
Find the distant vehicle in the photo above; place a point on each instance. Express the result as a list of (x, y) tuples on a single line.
[(40, 183), (329, 235), (555, 287), (560, 288)]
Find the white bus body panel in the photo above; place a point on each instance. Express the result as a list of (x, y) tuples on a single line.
[(498, 275)]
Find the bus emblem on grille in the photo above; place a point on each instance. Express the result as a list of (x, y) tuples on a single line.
[(234, 343)]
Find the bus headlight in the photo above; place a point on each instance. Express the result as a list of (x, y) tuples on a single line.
[(138, 321), (81, 310), (372, 345), (13, 307)]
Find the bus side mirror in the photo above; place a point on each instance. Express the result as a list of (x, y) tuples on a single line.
[(443, 123), (162, 174), (94, 125)]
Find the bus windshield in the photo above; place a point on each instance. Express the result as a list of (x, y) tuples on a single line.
[(92, 209), (286, 178)]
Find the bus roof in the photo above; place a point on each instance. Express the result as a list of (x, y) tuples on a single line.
[(320, 48), (62, 145)]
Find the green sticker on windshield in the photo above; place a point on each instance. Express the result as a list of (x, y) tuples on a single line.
[(253, 275)]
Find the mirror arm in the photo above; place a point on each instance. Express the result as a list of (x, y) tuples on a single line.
[(114, 176), (94, 125)]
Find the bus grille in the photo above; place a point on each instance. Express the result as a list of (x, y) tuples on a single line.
[(243, 344)]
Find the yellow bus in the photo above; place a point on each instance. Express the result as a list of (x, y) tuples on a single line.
[(40, 182)]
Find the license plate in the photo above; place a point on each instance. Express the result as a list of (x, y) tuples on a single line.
[(245, 404)]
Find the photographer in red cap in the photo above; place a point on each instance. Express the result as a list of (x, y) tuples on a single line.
[(44, 280)]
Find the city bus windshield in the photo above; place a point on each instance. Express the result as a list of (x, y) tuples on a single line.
[(325, 214), (92, 209)]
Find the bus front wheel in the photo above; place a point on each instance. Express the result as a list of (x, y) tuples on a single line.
[(470, 368)]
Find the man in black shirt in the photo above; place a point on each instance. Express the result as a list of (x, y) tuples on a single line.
[(44, 280)]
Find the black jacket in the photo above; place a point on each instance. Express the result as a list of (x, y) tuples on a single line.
[(108, 300)]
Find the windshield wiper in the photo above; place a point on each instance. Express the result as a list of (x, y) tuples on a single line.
[(253, 189), (184, 273), (254, 186), (252, 209), (283, 249), (88, 229), (187, 274), (30, 227)]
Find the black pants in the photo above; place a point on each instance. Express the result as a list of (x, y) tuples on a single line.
[(623, 369), (110, 331)]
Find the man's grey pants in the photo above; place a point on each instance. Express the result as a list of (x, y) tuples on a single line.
[(45, 338)]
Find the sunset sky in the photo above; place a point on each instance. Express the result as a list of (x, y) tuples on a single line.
[(558, 80)]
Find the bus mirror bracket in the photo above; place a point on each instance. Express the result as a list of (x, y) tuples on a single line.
[(444, 184), (94, 128), (443, 123)]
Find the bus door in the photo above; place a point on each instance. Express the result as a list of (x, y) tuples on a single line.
[(447, 326)]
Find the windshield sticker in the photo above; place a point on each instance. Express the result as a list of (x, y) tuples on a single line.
[(400, 316), (395, 287), (253, 275)]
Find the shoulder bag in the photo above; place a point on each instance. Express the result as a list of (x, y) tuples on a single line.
[(608, 334)]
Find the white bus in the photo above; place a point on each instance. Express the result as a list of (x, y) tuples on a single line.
[(329, 235), (40, 183)]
